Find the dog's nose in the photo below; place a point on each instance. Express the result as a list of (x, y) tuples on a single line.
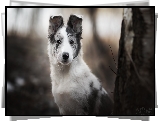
[(65, 56)]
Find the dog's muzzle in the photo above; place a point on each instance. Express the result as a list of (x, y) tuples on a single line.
[(65, 58)]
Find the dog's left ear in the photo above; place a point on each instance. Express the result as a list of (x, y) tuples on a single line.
[(75, 23)]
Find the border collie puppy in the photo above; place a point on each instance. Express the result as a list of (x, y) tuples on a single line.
[(75, 89)]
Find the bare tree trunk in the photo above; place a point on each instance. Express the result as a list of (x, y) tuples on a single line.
[(135, 81), (34, 20)]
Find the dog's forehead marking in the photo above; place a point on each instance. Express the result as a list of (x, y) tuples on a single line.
[(62, 31)]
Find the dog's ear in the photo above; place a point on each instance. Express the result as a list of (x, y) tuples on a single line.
[(75, 23), (55, 22)]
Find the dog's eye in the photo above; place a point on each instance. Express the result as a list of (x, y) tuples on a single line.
[(59, 41), (71, 42)]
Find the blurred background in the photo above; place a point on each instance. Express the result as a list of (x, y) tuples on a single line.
[(28, 69)]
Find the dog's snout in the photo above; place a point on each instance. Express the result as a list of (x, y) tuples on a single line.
[(65, 56)]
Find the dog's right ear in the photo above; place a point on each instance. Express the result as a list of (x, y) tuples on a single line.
[(55, 22)]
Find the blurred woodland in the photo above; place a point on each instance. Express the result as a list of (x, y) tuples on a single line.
[(28, 68)]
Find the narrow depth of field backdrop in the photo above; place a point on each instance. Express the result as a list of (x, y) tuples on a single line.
[(28, 69)]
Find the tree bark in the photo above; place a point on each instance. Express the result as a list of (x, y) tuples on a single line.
[(135, 81)]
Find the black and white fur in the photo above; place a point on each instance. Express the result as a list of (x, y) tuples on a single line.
[(75, 89)]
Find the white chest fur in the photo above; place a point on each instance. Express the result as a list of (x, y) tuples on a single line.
[(69, 97)]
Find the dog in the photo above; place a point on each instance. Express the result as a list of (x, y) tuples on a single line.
[(75, 89)]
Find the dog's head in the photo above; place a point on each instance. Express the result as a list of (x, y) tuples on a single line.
[(64, 41)]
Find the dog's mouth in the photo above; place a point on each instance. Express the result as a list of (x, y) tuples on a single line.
[(65, 62)]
